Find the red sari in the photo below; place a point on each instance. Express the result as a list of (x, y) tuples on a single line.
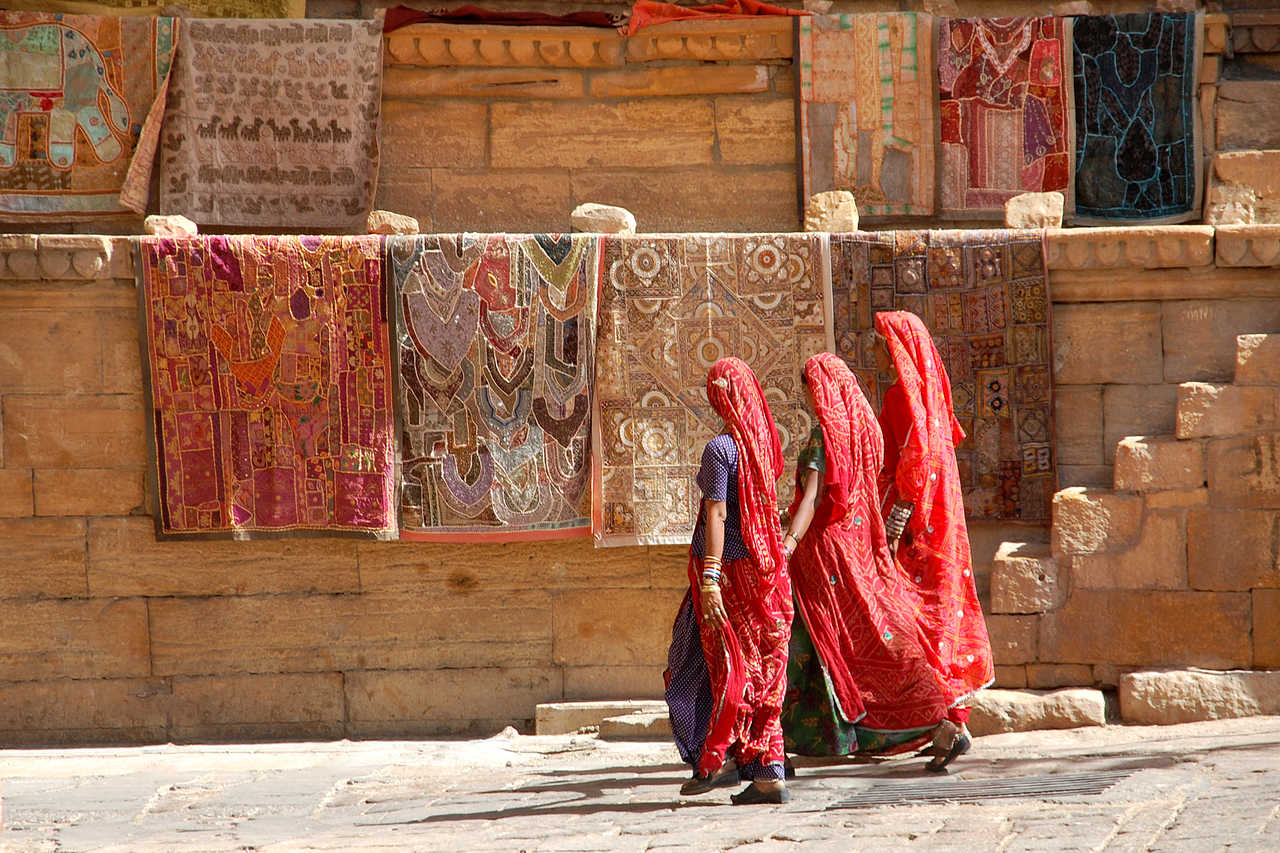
[(863, 620), (920, 435)]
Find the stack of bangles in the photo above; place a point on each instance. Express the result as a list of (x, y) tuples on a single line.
[(712, 571), (789, 549)]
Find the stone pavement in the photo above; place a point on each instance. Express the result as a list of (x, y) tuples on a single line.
[(1193, 787)]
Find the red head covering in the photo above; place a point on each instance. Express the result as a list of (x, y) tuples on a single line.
[(736, 395)]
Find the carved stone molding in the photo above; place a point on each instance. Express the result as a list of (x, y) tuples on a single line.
[(1152, 247), (1255, 32), (64, 257), (1248, 245), (714, 41), (1216, 27)]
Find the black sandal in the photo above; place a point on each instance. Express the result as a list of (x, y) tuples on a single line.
[(753, 796), (959, 746), (727, 777)]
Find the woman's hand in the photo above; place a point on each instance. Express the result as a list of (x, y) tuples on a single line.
[(713, 607)]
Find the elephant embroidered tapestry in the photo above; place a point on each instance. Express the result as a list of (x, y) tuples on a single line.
[(268, 375), (274, 124), (669, 308), (1004, 95), (192, 8), (1137, 145), (495, 339), (81, 101)]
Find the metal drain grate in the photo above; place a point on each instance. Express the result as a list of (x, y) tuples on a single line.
[(1026, 787)]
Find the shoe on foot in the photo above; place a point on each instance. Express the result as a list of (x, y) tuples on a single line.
[(725, 777), (788, 769), (958, 747), (753, 796)]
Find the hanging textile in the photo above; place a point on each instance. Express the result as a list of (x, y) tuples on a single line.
[(151, 8)]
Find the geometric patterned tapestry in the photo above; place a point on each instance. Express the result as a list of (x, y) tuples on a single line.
[(669, 308), (495, 338), (984, 297)]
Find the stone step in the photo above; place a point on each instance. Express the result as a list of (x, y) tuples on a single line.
[(1089, 520), (1024, 579), (1257, 359), (562, 718), (1207, 410), (642, 725), (1158, 463), (1167, 697), (997, 711)]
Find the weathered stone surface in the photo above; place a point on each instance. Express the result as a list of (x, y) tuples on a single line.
[(1136, 410), (1266, 628), (995, 711), (247, 706), (386, 222), (88, 706), (1178, 498), (1244, 120), (1200, 335), (647, 133), (121, 355), (1010, 677), (594, 218), (72, 256), (1086, 521), (16, 498), (1149, 247), (668, 566), (751, 130), (1103, 344), (1034, 210), (741, 40), (562, 718), (1232, 549), (1157, 560), (85, 431), (614, 682), (1187, 696), (1088, 476), (42, 558), (1025, 579), (1045, 676), (613, 626), (1255, 245), (720, 198), (125, 559), (1206, 410), (478, 700), (28, 340), (88, 491), (680, 80), (1257, 360), (1244, 189), (1077, 414), (409, 191), (535, 83), (478, 45), (172, 225), (73, 639), (1107, 676), (1159, 463), (435, 132), (653, 725), (1244, 471), (1148, 628), (514, 200), (1013, 638), (835, 211)]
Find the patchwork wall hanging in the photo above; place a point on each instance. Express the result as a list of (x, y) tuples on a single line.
[(274, 124), (495, 338), (1004, 95), (984, 297), (268, 377), (1137, 140), (669, 308), (81, 101), (867, 110)]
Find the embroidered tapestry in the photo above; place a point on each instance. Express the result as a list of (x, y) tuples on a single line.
[(670, 307), (274, 124), (192, 8), (1003, 110), (495, 338), (81, 101), (984, 297), (867, 110), (269, 383), (1137, 145)]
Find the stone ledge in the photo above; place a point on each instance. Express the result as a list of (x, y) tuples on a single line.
[(996, 711), (1247, 245), (1251, 32), (64, 257), (1151, 247), (1186, 696), (711, 41), (559, 718)]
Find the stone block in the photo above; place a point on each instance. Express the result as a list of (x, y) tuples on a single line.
[(16, 495), (653, 725), (409, 191), (1200, 335), (734, 40), (1178, 499), (1044, 676), (680, 80), (835, 211), (614, 682), (467, 701), (125, 559), (85, 431), (326, 633), (648, 133), (1013, 638), (42, 558), (602, 627), (1244, 471), (75, 256), (1107, 676), (88, 708), (1025, 579), (717, 198), (1159, 463), (1148, 628), (509, 83), (1077, 416), (512, 200), (1257, 360), (1130, 246), (386, 222), (1244, 188), (1107, 344), (88, 491), (121, 356), (73, 639), (236, 707), (1206, 410), (1010, 677), (1253, 245), (478, 45), (592, 218), (1157, 560), (755, 131), (1188, 696), (433, 132), (1087, 521), (50, 352), (563, 718), (1245, 119), (1232, 549), (995, 711), (1136, 410), (1266, 628), (172, 225), (1034, 210), (1088, 476)]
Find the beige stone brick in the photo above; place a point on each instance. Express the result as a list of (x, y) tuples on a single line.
[(1025, 579), (42, 558), (1244, 471), (1136, 410), (1088, 476), (533, 83), (1169, 698), (88, 431), (73, 639), (755, 131), (1077, 414), (125, 559), (649, 132), (1010, 677), (50, 352), (614, 682), (241, 706), (16, 496), (668, 566), (88, 491), (1206, 410), (406, 190), (473, 700), (1266, 628), (1232, 549), (1178, 499), (566, 718), (1245, 120), (1158, 560), (439, 132), (518, 200), (1159, 464), (1200, 335), (1148, 628), (680, 80), (325, 633), (1045, 676), (86, 706), (121, 353), (602, 627), (995, 711), (1013, 638), (1086, 521), (1111, 343), (1257, 360), (721, 198)]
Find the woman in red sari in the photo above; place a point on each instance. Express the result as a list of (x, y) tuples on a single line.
[(861, 675), (924, 509), (726, 672)]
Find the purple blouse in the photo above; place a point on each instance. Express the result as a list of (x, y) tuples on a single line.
[(718, 479)]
